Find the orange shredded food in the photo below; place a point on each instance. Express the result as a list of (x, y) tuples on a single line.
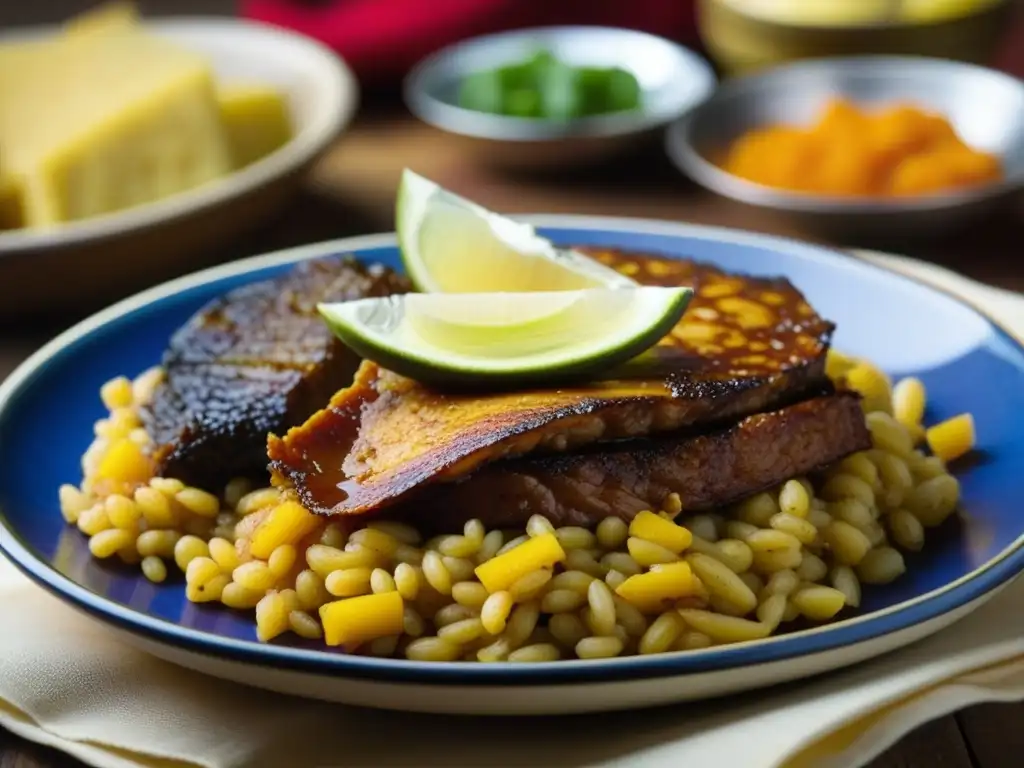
[(896, 151)]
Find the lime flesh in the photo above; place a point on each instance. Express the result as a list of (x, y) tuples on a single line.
[(452, 245), (506, 338)]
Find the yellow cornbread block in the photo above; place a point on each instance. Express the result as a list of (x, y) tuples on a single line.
[(26, 62), (10, 203), (256, 120), (108, 16), (107, 119)]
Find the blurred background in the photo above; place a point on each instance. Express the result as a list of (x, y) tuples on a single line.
[(681, 110)]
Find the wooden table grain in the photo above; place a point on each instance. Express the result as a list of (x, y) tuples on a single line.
[(352, 192)]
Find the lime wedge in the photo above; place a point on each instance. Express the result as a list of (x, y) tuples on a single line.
[(452, 245), (506, 338)]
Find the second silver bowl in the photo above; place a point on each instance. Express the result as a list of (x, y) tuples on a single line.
[(984, 106)]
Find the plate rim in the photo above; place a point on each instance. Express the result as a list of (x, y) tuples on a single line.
[(996, 571)]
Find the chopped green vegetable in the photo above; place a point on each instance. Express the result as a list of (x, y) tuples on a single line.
[(522, 102), (482, 91), (560, 95), (623, 90), (546, 87)]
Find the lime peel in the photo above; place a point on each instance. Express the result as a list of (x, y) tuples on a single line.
[(547, 336)]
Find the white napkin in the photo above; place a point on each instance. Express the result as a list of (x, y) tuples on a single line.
[(66, 682)]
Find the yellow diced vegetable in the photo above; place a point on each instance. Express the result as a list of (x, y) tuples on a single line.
[(504, 570), (873, 385), (126, 463), (952, 438), (287, 523), (908, 401), (656, 590), (357, 620), (837, 364), (256, 120), (652, 527)]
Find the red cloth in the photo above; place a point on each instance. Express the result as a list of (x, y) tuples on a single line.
[(382, 39)]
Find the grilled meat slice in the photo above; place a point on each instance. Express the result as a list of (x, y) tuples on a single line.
[(707, 471), (257, 360), (745, 345)]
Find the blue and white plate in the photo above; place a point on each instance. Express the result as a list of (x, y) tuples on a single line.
[(967, 362)]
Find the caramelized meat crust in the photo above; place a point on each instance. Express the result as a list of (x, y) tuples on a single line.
[(706, 470), (745, 345), (254, 361)]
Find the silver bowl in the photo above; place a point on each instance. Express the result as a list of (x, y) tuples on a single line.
[(672, 80), (986, 108)]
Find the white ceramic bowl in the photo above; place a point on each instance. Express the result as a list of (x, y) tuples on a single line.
[(90, 262)]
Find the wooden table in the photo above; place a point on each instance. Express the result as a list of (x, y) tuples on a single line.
[(352, 192)]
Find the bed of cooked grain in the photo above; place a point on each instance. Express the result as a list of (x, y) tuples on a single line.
[(668, 581)]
